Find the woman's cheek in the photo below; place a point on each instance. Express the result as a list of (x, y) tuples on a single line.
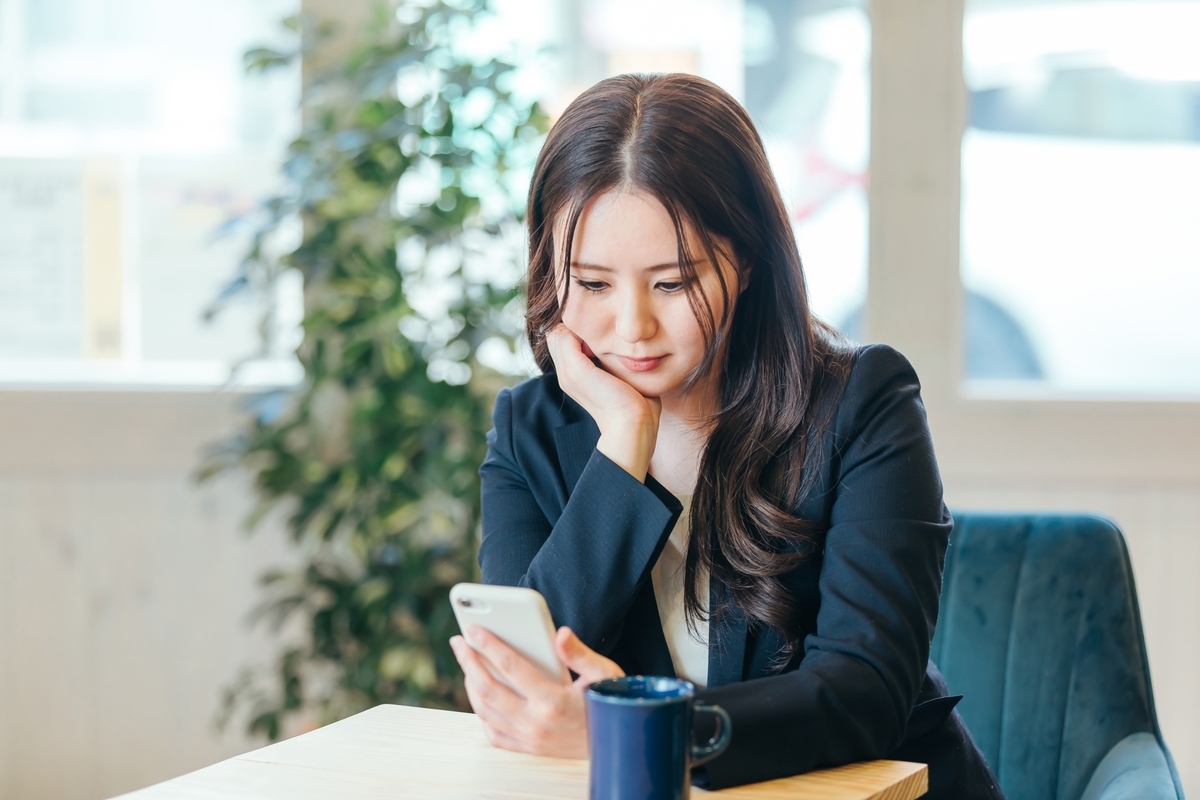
[(575, 319)]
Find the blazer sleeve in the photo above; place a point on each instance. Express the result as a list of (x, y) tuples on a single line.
[(591, 561), (850, 697)]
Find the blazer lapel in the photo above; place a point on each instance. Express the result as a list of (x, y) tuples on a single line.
[(575, 443), (726, 640)]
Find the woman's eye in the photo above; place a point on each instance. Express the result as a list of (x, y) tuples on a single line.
[(591, 286), (670, 287)]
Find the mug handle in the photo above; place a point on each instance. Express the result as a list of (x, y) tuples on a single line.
[(703, 753)]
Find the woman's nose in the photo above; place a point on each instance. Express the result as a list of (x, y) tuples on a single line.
[(635, 318)]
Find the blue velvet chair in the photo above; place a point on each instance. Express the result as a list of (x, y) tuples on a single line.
[(1040, 632)]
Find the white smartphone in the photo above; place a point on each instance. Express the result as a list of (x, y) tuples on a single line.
[(518, 616)]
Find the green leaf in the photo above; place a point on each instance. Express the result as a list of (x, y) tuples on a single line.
[(375, 460)]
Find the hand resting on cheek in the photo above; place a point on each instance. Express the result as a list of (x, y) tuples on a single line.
[(627, 420)]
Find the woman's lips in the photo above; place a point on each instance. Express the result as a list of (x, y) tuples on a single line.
[(640, 364)]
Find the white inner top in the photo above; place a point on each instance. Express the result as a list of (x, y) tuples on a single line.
[(688, 654)]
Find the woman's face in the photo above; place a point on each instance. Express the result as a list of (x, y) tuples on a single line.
[(628, 300)]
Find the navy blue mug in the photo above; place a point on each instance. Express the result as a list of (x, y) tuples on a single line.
[(640, 738)]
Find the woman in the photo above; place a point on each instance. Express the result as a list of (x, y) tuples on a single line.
[(705, 481)]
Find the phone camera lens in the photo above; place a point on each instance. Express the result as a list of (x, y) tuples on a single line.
[(465, 603)]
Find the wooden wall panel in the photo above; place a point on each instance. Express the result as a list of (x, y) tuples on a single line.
[(123, 602)]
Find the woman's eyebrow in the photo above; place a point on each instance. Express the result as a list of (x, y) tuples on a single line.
[(655, 268)]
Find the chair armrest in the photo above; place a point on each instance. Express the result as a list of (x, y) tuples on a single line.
[(1136, 768)]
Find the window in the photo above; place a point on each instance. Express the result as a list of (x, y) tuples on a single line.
[(130, 135), (1080, 168), (808, 88)]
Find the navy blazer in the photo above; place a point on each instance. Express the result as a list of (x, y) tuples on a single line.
[(561, 518)]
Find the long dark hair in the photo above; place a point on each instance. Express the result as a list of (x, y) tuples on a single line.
[(686, 142)]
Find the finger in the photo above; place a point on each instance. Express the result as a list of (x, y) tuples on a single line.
[(482, 673), (487, 714), (572, 348), (589, 665), (468, 659), (560, 341), (517, 670), (493, 702), (516, 723), (560, 329), (501, 739)]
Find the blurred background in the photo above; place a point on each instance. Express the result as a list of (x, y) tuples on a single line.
[(1006, 191)]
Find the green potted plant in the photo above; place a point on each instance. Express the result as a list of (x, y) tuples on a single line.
[(402, 183)]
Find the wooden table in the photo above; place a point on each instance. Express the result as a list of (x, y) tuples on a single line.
[(400, 752)]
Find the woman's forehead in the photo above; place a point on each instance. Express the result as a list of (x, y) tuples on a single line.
[(626, 228)]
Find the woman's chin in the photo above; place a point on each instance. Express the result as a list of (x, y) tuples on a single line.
[(649, 384)]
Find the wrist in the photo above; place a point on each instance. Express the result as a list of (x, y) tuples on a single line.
[(630, 449)]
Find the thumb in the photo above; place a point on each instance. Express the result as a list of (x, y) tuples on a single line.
[(582, 660)]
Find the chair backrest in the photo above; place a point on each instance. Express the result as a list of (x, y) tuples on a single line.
[(1040, 631)]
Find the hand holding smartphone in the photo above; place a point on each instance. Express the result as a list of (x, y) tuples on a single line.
[(518, 616)]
